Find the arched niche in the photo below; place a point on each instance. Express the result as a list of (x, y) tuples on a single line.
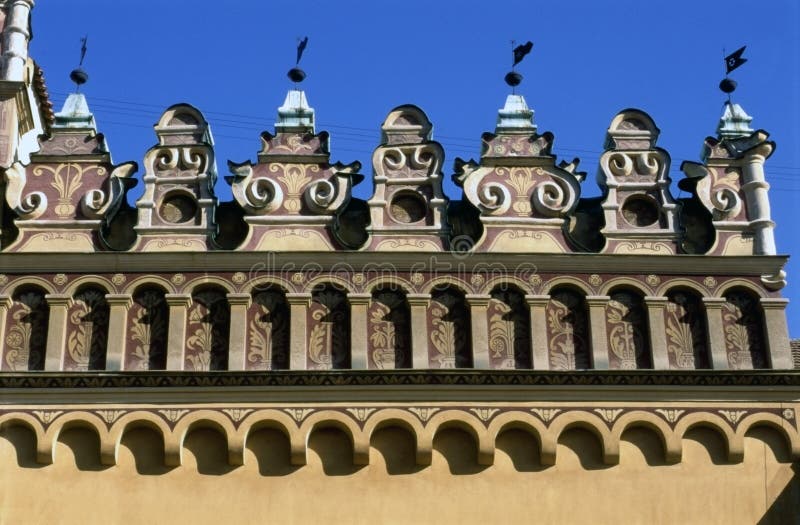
[(509, 329), (449, 330), (568, 340), (743, 325), (328, 329), (268, 330), (148, 324), (207, 330), (389, 329), (87, 329), (626, 326), (26, 330), (685, 324)]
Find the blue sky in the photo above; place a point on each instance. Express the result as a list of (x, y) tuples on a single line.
[(590, 60)]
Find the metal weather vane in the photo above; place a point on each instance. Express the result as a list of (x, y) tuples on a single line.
[(296, 74), (79, 75), (513, 78), (732, 61)]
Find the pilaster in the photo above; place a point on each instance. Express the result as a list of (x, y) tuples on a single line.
[(538, 312), (237, 338), (5, 304), (419, 303), (176, 334), (597, 328), (56, 330), (658, 331), (716, 332), (298, 315), (359, 303), (777, 333), (118, 305), (478, 306)]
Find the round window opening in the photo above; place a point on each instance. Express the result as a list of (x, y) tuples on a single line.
[(640, 210), (177, 209), (407, 208)]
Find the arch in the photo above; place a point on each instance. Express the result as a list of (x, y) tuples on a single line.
[(181, 115), (388, 330), (395, 417), (325, 281), (268, 330), (148, 324), (763, 419), (686, 330), (331, 418), (530, 424), (45, 450), (89, 280), (462, 420), (208, 281), (743, 326), (566, 280), (592, 423), (87, 328), (30, 280), (623, 282), (506, 281), (677, 283), (155, 281), (449, 329), (329, 329), (22, 419), (139, 418), (272, 419), (393, 281), (267, 281), (27, 323), (509, 325), (173, 443), (567, 329), (731, 284), (628, 330), (671, 443), (207, 329), (444, 282), (734, 443)]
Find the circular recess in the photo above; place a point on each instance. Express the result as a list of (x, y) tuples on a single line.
[(640, 211), (178, 208), (408, 208)]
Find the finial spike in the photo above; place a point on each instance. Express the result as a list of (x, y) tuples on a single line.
[(296, 74), (79, 75)]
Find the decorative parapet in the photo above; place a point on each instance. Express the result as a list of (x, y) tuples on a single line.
[(69, 193), (292, 196), (638, 208), (524, 199), (176, 212), (408, 206)]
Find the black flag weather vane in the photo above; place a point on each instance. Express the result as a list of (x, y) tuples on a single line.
[(79, 75), (296, 74), (732, 61), (513, 78)]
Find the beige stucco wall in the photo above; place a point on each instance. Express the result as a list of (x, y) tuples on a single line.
[(579, 488)]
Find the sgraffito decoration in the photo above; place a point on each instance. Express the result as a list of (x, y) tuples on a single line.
[(509, 330), (626, 321), (87, 331), (207, 330), (26, 331), (268, 332), (148, 319), (389, 333), (686, 331), (329, 330), (449, 329), (744, 333), (567, 331)]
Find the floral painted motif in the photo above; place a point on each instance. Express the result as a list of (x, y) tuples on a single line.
[(627, 332), (744, 337), (685, 325), (329, 329), (208, 325), (389, 331), (26, 332), (268, 332), (87, 331), (449, 331), (567, 331), (147, 339), (509, 330)]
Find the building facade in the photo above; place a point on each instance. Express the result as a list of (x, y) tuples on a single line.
[(300, 354)]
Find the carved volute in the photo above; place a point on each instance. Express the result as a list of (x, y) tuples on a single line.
[(638, 208), (70, 190), (407, 208), (292, 196), (523, 197), (176, 211)]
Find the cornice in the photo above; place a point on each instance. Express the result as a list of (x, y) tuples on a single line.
[(260, 262)]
